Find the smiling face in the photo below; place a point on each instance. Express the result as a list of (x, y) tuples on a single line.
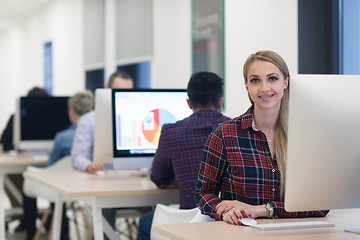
[(265, 84)]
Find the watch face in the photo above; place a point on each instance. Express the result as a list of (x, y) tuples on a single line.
[(270, 208)]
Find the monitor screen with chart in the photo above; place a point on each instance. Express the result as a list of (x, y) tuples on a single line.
[(138, 116)]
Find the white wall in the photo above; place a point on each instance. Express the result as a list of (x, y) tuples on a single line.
[(253, 25), (11, 73), (60, 23), (250, 25), (171, 65), (21, 58)]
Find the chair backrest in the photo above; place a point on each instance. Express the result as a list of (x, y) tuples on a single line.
[(169, 215), (34, 189)]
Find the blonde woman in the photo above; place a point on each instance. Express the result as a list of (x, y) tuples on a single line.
[(244, 158)]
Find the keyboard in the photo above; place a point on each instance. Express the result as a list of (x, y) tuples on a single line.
[(292, 225)]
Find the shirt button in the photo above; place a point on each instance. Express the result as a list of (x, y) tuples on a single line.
[(273, 189), (273, 170)]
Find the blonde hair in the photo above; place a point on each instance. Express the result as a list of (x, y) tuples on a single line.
[(280, 137), (82, 102)]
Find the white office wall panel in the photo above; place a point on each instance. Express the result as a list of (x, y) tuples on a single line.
[(251, 26), (171, 63), (133, 31), (60, 22), (11, 76), (93, 34)]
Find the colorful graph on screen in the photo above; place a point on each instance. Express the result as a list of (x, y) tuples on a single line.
[(153, 122)]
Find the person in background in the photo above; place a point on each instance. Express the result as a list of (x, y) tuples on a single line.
[(83, 144), (78, 104), (8, 145), (7, 135), (82, 151), (241, 173), (177, 158)]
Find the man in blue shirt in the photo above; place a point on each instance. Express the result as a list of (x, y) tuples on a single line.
[(79, 104)]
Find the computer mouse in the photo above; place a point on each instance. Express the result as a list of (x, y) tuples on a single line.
[(248, 221), (100, 173)]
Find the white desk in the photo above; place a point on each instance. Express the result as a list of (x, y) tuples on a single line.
[(349, 218), (113, 190), (13, 164)]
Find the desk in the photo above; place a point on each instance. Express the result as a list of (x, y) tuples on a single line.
[(346, 218), (13, 164), (112, 190)]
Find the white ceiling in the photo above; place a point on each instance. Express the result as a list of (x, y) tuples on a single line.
[(13, 10)]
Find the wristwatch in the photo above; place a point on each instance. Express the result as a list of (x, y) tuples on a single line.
[(270, 207)]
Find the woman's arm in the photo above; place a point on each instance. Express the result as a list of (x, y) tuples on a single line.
[(210, 175), (232, 210)]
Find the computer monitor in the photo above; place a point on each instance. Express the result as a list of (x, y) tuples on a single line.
[(323, 153), (138, 116), (37, 120), (103, 138)]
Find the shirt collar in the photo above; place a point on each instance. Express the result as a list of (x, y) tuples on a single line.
[(247, 119)]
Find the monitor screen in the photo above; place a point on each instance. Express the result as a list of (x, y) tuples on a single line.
[(38, 119), (138, 116), (323, 153)]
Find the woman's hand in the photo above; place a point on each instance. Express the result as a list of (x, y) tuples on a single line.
[(233, 210)]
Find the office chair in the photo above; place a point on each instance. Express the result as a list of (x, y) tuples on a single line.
[(169, 215)]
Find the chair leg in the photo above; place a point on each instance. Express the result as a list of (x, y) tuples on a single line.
[(73, 208), (87, 223), (128, 224), (42, 224)]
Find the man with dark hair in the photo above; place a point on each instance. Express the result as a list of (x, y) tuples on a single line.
[(180, 147), (115, 83)]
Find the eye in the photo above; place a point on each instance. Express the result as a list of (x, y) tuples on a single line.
[(254, 80), (273, 78)]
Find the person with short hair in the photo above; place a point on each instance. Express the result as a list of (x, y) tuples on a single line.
[(83, 144), (178, 155), (79, 104)]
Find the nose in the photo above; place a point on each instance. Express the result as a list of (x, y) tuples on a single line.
[(264, 86)]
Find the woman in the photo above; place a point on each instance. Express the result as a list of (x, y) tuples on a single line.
[(244, 158)]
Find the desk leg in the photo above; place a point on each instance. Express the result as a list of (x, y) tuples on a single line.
[(97, 222), (56, 224), (2, 208)]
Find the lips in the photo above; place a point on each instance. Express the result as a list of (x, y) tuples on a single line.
[(266, 97)]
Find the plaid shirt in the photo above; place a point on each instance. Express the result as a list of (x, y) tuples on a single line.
[(237, 163), (179, 153)]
